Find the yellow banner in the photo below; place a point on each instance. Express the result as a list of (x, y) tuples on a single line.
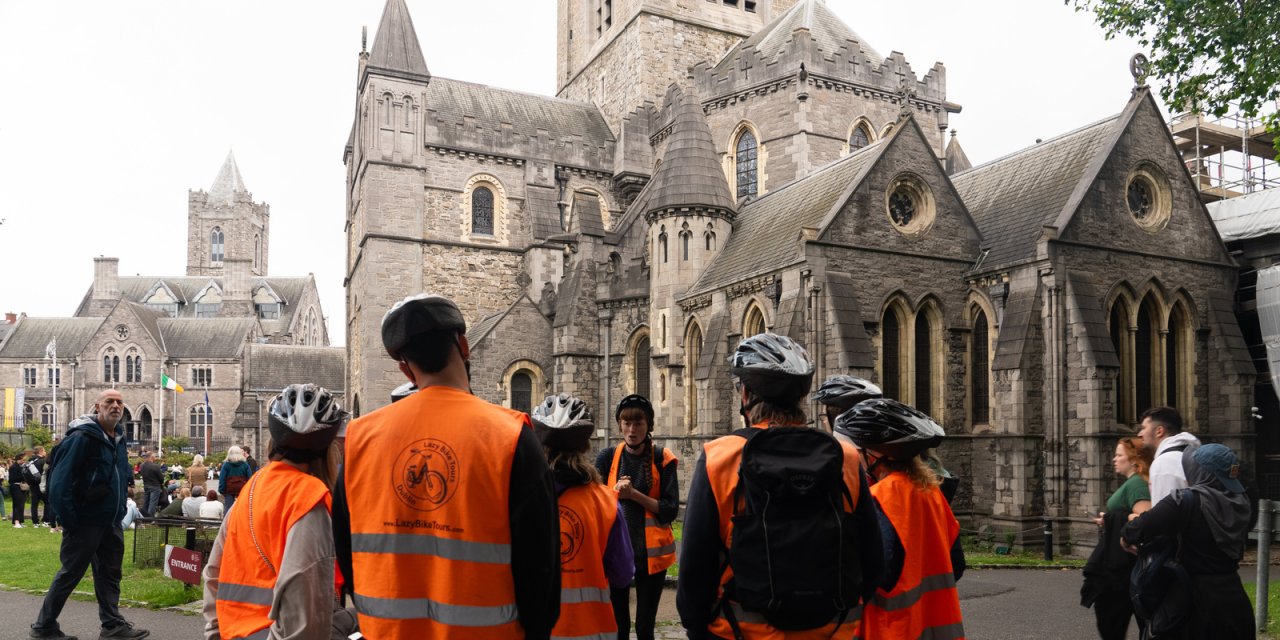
[(10, 395)]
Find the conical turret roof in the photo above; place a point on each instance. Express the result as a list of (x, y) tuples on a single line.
[(955, 158), (227, 184), (395, 47), (690, 174)]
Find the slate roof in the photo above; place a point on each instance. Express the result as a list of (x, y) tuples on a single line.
[(479, 330), (490, 107), (848, 330), (826, 30), (28, 338), (395, 47), (272, 367), (1012, 198), (544, 209), (186, 288), (766, 232), (586, 210), (691, 173), (206, 337), (4, 331), (227, 184)]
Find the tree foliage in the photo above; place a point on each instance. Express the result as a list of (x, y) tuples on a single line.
[(1209, 54), (40, 434)]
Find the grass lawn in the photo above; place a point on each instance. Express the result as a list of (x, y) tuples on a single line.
[(1273, 605), (984, 553), (29, 558)]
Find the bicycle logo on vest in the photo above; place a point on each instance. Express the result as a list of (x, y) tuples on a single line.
[(571, 530), (425, 475)]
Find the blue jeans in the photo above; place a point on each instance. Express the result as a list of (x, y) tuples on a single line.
[(152, 495)]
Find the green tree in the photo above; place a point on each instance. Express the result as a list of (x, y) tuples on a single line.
[(40, 434), (175, 443), (1207, 53)]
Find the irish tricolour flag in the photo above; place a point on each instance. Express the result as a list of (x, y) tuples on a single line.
[(169, 383)]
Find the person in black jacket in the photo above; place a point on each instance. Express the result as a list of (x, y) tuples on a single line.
[(87, 490), (18, 480), (152, 484), (1210, 520), (34, 469), (1106, 576)]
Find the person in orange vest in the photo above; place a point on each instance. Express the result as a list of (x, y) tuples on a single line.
[(829, 559), (445, 518), (644, 475), (927, 559), (595, 548), (270, 574)]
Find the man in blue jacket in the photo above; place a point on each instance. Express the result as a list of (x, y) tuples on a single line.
[(87, 487)]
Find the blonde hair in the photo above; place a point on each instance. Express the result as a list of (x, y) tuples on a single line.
[(917, 470), (197, 461), (235, 454)]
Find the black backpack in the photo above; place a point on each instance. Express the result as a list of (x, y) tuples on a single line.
[(794, 548)]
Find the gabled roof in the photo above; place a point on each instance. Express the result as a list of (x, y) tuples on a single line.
[(690, 173), (1251, 216), (586, 211), (526, 114), (187, 288), (148, 318), (28, 338), (272, 367), (395, 47), (206, 337), (227, 184), (826, 30), (1014, 197), (766, 233)]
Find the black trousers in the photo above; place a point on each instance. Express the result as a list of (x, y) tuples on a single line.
[(36, 498), (648, 595), (1113, 611), (82, 547), (19, 503)]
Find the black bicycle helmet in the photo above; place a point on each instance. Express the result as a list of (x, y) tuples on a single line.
[(774, 368), (638, 401), (890, 428), (845, 391), (563, 422), (416, 315), (403, 391), (303, 420)]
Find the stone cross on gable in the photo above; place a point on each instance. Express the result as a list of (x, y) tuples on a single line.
[(744, 63), (906, 91)]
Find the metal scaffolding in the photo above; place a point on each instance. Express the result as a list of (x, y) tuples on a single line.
[(1228, 156)]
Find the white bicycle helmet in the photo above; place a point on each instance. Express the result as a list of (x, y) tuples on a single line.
[(563, 422), (303, 420)]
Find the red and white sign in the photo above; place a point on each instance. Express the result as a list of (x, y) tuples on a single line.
[(182, 564)]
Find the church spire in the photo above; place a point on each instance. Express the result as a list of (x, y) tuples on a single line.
[(227, 184), (395, 47), (955, 160), (690, 174)]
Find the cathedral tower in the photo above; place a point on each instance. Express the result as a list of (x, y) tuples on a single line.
[(621, 53), (224, 223)]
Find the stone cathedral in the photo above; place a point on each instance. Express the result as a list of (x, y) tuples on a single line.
[(711, 169)]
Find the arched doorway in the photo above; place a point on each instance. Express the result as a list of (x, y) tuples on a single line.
[(144, 425)]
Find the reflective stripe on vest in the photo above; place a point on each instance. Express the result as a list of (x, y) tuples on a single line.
[(659, 541), (924, 603), (429, 482), (429, 545), (282, 494), (723, 456), (587, 516)]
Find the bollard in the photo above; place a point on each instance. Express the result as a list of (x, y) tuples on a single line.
[(1264, 562), (1048, 539), (191, 539)]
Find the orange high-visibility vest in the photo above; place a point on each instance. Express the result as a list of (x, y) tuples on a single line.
[(429, 481), (587, 514), (659, 541), (281, 495), (723, 455), (925, 602)]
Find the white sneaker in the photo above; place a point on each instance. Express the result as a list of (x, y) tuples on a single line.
[(17, 525)]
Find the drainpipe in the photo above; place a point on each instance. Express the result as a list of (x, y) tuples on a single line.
[(606, 376)]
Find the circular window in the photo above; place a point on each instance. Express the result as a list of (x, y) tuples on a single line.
[(909, 204), (1147, 197)]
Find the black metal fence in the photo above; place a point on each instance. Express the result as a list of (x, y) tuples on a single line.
[(150, 535)]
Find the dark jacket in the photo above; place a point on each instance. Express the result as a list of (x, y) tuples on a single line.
[(229, 470), (91, 477), (1108, 565), (152, 475)]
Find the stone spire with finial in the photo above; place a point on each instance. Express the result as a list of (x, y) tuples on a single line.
[(690, 176)]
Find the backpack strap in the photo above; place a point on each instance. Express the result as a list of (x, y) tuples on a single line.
[(1180, 447)]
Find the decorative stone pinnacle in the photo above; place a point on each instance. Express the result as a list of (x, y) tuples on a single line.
[(1140, 68)]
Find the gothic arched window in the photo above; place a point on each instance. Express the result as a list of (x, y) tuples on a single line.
[(859, 138), (924, 363), (642, 367), (482, 211), (217, 245), (980, 387), (522, 391), (890, 353), (745, 162), (46, 415), (1120, 340)]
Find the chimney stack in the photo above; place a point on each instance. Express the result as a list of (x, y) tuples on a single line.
[(106, 278), (10, 318)]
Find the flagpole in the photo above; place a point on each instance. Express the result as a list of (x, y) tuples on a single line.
[(208, 419), (160, 415)]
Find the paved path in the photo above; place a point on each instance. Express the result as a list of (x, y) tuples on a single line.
[(1003, 604)]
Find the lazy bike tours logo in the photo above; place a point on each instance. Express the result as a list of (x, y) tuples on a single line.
[(571, 534), (425, 475)]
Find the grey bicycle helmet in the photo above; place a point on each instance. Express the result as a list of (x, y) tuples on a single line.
[(563, 422), (774, 368), (888, 427), (416, 315), (403, 391), (637, 401), (845, 391), (303, 420)]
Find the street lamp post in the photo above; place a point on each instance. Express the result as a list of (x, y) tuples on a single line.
[(51, 350)]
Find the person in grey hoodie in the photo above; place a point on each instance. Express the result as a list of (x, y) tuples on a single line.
[(1162, 433), (87, 491)]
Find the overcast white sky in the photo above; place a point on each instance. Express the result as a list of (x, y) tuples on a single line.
[(111, 111)]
